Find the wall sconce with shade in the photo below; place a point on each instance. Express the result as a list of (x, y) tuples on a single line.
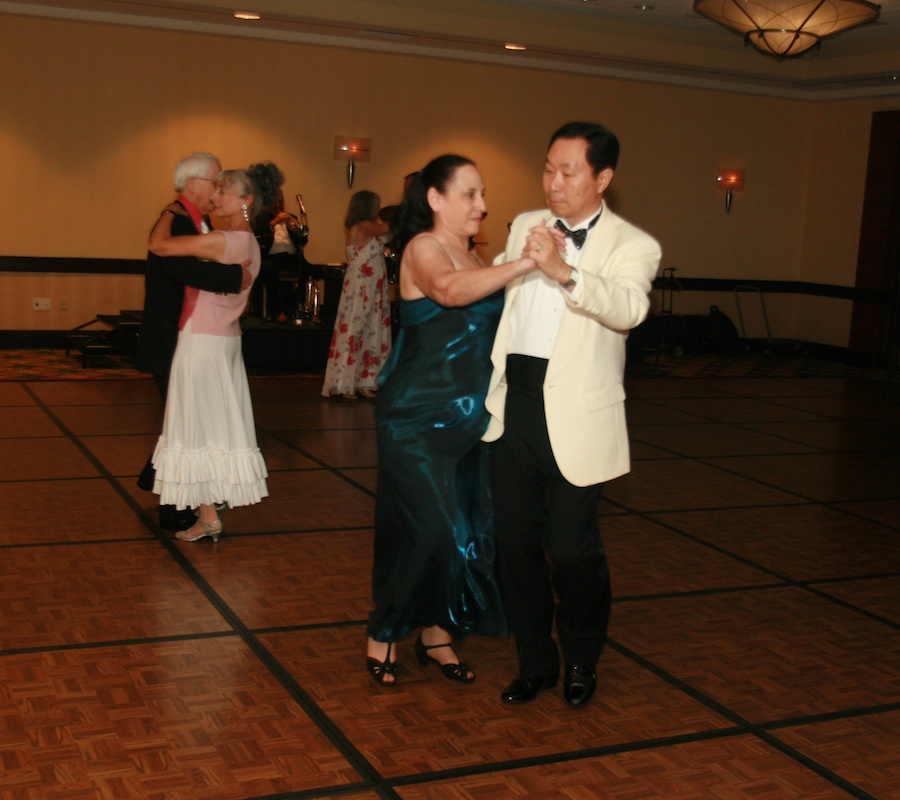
[(787, 28), (731, 180), (352, 149)]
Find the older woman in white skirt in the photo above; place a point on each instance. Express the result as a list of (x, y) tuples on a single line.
[(207, 457)]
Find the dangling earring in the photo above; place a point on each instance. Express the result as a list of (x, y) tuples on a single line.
[(246, 215)]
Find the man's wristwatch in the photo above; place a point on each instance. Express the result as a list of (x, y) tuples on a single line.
[(574, 276)]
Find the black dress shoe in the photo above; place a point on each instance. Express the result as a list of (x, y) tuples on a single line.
[(171, 519), (146, 478), (525, 688), (579, 684)]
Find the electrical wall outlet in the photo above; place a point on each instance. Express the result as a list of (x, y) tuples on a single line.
[(64, 303), (41, 304)]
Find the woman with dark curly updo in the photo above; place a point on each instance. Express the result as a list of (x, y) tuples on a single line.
[(207, 456)]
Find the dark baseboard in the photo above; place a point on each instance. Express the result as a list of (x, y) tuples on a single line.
[(32, 340), (265, 345), (287, 347)]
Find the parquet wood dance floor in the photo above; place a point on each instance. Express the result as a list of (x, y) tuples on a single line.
[(754, 646)]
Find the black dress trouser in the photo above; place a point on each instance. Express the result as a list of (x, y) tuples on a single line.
[(169, 516), (148, 473), (548, 538)]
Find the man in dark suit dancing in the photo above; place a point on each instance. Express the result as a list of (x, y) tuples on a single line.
[(164, 283)]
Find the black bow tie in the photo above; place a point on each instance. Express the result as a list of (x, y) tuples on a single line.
[(578, 236)]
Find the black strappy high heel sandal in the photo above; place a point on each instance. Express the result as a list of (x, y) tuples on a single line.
[(455, 672), (380, 669)]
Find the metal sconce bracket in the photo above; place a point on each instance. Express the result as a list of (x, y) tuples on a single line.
[(731, 180), (352, 149)]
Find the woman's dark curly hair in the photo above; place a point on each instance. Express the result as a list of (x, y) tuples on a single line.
[(415, 215), (263, 181)]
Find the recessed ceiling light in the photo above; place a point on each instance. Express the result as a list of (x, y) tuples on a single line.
[(645, 7), (246, 15), (514, 46)]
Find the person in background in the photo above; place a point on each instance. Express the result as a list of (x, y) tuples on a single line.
[(361, 340), (557, 410), (388, 212), (392, 259), (433, 565), (165, 280), (207, 456), (281, 241)]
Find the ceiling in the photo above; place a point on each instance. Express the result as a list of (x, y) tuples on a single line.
[(679, 13), (650, 40)]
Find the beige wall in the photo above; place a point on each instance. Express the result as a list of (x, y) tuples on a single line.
[(98, 115)]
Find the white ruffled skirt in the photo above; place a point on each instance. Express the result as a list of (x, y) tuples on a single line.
[(207, 452)]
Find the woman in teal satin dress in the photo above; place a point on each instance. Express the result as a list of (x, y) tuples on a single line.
[(434, 545)]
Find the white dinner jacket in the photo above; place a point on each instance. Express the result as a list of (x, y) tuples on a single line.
[(583, 394)]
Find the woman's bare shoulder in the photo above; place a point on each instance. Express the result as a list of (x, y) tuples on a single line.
[(426, 240)]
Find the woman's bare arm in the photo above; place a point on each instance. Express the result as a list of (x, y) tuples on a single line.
[(429, 270), (209, 246)]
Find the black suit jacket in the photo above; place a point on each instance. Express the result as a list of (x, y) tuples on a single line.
[(164, 282)]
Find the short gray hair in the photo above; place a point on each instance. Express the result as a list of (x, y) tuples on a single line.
[(196, 165)]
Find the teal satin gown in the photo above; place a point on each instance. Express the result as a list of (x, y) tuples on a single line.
[(434, 535)]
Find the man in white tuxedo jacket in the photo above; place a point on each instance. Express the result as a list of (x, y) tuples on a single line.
[(556, 402)]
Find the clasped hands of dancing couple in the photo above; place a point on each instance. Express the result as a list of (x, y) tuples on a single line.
[(546, 246)]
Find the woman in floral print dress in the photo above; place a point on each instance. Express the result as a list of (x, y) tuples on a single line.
[(361, 339)]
